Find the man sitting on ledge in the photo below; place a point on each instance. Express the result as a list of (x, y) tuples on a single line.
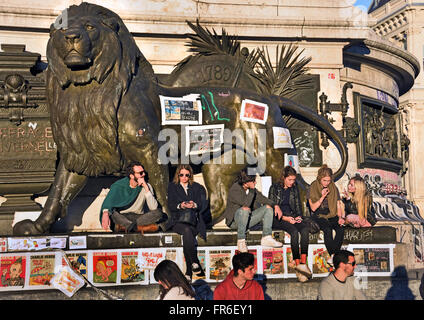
[(247, 207), (131, 203)]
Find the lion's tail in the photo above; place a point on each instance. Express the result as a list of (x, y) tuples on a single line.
[(297, 110)]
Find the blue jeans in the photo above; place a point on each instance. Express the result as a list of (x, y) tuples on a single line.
[(243, 220)]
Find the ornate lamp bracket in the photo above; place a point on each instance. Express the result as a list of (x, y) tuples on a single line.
[(15, 97), (350, 129)]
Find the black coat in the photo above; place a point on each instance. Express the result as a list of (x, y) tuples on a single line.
[(276, 195), (350, 208), (196, 193)]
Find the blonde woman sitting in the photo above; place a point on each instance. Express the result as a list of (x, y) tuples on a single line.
[(358, 204)]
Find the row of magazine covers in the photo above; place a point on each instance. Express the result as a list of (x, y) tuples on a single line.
[(64, 270)]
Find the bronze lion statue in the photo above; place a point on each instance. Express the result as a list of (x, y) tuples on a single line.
[(105, 112)]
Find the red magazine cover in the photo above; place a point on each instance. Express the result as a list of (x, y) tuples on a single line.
[(273, 261), (105, 267), (12, 270)]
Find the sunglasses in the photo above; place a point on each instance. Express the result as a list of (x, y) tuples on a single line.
[(184, 175), (140, 172), (352, 263)]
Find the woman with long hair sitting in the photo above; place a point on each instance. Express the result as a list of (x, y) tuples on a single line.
[(286, 194), (173, 284), (358, 204), (187, 203), (327, 207)]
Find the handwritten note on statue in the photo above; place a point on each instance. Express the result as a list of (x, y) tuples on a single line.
[(282, 138)]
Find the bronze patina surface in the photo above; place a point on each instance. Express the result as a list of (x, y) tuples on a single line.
[(105, 111)]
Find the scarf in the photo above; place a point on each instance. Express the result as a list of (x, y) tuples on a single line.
[(315, 194)]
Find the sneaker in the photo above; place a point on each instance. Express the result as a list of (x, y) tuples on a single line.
[(198, 275), (330, 261), (304, 270), (269, 241), (241, 245), (301, 277), (196, 269)]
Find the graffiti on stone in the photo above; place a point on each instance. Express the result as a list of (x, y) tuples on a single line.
[(389, 197), (417, 234)]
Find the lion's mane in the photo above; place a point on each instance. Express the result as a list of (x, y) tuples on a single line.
[(83, 102)]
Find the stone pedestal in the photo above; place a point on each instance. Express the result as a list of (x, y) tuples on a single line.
[(27, 149)]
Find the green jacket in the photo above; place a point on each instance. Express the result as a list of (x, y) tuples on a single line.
[(120, 195)]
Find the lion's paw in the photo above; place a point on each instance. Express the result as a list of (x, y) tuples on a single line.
[(25, 227)]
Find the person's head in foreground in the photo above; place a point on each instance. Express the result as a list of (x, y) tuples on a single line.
[(168, 275)]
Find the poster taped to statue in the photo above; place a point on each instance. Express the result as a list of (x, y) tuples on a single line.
[(204, 139), (254, 111), (181, 110), (282, 138)]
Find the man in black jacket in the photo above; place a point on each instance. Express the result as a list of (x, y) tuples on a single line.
[(247, 207)]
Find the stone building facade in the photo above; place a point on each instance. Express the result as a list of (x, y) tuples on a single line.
[(401, 22)]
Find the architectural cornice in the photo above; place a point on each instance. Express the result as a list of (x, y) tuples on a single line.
[(399, 64)]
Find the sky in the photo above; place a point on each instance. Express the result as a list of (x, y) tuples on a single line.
[(363, 3)]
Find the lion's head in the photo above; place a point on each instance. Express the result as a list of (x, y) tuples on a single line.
[(94, 43), (91, 65)]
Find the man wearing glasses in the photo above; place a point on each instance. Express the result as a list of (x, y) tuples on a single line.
[(131, 203), (340, 285)]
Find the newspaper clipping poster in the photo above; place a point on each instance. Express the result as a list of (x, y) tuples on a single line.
[(282, 138), (130, 268), (220, 264), (149, 259), (320, 257), (24, 244), (67, 281), (181, 110), (374, 259), (273, 261), (292, 161), (291, 264), (78, 261), (204, 139), (201, 255)]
